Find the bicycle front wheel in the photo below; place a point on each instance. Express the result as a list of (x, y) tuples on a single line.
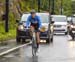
[(34, 45), (34, 51)]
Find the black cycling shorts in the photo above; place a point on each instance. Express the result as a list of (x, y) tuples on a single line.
[(36, 26)]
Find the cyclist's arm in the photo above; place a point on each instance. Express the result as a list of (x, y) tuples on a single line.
[(28, 22), (39, 21)]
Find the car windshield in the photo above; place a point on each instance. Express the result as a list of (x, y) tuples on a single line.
[(73, 19), (24, 18), (44, 18), (60, 19)]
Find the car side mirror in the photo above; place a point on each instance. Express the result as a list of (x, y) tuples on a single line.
[(17, 21), (52, 22)]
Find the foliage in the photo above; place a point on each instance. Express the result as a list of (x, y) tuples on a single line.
[(73, 7), (6, 36)]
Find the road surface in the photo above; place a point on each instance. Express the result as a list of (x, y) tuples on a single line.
[(61, 50)]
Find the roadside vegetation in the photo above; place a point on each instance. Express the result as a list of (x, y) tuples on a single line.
[(7, 36)]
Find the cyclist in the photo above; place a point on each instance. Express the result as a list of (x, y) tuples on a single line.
[(34, 23)]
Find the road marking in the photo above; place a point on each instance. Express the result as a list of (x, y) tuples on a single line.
[(11, 50)]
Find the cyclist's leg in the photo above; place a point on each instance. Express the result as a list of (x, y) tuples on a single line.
[(32, 28), (35, 27), (38, 38)]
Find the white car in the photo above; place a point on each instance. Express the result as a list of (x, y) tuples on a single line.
[(60, 23)]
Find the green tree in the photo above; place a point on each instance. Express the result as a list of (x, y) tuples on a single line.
[(73, 7), (66, 5)]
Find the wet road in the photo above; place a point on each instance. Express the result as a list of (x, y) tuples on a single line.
[(61, 50), (7, 45)]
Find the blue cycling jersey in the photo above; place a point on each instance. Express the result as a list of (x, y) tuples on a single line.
[(34, 21)]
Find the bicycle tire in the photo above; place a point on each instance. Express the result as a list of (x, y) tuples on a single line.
[(33, 51), (34, 48)]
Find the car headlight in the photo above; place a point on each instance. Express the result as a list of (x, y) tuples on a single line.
[(72, 26), (21, 27)]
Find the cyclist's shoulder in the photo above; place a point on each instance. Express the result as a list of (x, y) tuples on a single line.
[(29, 17), (37, 16)]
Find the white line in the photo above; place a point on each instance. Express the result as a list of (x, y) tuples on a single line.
[(10, 50)]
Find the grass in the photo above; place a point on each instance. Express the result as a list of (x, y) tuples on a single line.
[(9, 35), (6, 36)]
